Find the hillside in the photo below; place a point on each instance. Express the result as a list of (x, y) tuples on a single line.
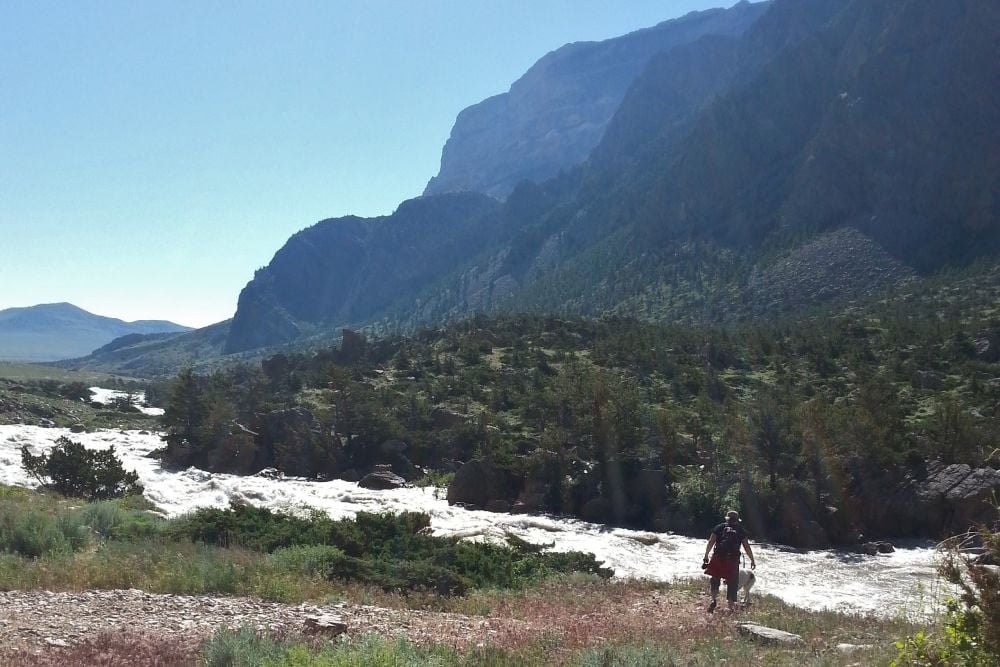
[(54, 331), (730, 159), (823, 425)]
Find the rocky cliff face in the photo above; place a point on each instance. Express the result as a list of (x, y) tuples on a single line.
[(557, 112)]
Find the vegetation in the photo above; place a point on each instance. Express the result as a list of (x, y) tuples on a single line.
[(970, 633), (798, 422), (63, 398), (74, 471)]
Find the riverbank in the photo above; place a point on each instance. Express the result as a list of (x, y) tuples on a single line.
[(905, 582), (570, 621)]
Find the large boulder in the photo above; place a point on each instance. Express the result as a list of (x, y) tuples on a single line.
[(476, 484), (987, 346), (382, 479)]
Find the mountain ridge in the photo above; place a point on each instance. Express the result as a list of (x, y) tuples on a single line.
[(54, 331)]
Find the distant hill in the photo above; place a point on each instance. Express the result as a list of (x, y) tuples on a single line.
[(53, 331)]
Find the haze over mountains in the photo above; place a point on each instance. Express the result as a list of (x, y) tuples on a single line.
[(53, 331), (762, 158)]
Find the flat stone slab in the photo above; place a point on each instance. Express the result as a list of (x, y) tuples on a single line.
[(327, 624), (766, 635)]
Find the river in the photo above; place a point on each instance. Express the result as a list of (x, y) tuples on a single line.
[(903, 583)]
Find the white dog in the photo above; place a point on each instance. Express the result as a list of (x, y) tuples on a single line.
[(747, 581)]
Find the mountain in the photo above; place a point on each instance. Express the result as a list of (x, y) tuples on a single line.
[(53, 331), (833, 150), (348, 269), (553, 116)]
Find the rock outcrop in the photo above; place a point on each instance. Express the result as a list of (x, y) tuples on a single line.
[(950, 499), (557, 112)]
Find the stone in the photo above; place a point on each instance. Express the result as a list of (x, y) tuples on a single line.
[(987, 346), (58, 643), (269, 473), (475, 484), (382, 480), (46, 423), (77, 428), (766, 635), (327, 625)]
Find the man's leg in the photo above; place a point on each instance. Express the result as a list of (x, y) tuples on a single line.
[(715, 583), (732, 588)]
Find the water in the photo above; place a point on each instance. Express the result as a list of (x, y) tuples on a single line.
[(904, 583)]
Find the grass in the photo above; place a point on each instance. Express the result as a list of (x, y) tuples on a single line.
[(10, 370)]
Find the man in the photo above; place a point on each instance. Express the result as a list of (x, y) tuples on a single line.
[(726, 538)]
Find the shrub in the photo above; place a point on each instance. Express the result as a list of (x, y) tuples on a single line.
[(33, 533), (77, 472), (241, 648)]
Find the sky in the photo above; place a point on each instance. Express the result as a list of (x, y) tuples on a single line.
[(154, 154)]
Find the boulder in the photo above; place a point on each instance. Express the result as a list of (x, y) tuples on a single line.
[(77, 428), (987, 346), (969, 501), (381, 479), (269, 473), (46, 423), (873, 548), (476, 484), (766, 635), (351, 475), (327, 625)]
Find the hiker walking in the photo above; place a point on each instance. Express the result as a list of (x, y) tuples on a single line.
[(726, 538)]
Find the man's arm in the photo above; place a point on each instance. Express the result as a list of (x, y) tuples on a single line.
[(746, 545), (711, 543)]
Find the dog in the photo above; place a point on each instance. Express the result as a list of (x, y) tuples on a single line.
[(747, 581)]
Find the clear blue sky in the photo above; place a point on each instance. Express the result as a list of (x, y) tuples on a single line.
[(153, 154)]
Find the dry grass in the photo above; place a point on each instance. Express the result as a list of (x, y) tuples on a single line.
[(112, 650)]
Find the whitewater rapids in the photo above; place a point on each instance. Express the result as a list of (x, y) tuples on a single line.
[(904, 583)]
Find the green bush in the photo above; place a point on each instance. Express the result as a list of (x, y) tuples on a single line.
[(77, 472), (34, 533), (243, 647), (392, 551), (306, 560)]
